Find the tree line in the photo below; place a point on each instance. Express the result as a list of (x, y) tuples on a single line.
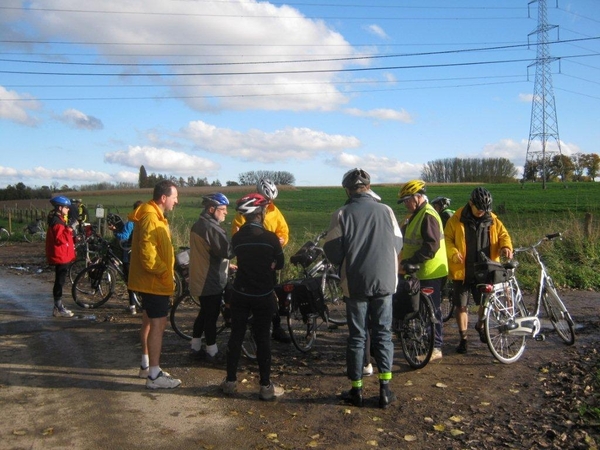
[(577, 167)]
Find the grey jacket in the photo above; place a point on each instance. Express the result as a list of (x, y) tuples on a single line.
[(364, 240), (210, 252)]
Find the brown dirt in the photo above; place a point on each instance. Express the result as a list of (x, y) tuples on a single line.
[(458, 402)]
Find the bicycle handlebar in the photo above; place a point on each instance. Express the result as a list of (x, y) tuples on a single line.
[(548, 237)]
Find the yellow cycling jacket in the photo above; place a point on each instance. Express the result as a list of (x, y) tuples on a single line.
[(274, 221), (151, 267), (454, 235)]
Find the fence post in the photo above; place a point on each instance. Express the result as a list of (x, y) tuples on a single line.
[(587, 228)]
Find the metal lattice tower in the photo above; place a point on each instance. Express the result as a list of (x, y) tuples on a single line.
[(544, 124)]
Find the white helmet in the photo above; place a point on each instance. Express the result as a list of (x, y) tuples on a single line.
[(267, 188)]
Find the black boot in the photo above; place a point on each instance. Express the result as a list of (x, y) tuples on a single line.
[(353, 396), (386, 396)]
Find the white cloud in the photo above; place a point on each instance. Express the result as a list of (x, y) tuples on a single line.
[(526, 98), (17, 107), (377, 31), (381, 114), (381, 168), (76, 175), (79, 120), (247, 34), (162, 160), (300, 144)]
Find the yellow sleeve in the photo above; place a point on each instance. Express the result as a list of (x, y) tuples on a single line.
[(275, 222), (237, 223)]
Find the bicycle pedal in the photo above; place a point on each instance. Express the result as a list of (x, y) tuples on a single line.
[(540, 337)]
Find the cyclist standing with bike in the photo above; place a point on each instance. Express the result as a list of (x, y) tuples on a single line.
[(151, 273), (473, 229), (210, 252), (60, 250), (424, 246), (259, 255), (364, 240), (275, 222)]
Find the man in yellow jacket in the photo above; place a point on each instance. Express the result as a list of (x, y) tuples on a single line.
[(473, 229), (275, 222), (151, 273)]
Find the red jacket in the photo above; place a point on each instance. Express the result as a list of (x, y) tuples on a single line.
[(60, 247)]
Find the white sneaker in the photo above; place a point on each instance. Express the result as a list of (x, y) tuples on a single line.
[(61, 312), (144, 372), (270, 392), (368, 370), (228, 387), (132, 310), (436, 354), (162, 381)]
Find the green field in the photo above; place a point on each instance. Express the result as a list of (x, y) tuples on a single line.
[(528, 212)]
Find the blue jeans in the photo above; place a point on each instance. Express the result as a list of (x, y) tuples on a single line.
[(375, 312), (436, 299)]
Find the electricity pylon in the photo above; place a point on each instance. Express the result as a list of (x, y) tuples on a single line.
[(544, 124)]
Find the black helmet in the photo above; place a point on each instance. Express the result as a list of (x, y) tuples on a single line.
[(356, 177), (482, 199), (444, 202)]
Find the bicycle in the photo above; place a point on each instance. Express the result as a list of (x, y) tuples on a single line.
[(314, 301), (185, 308), (446, 304), (414, 318), (507, 321), (35, 231), (97, 283), (86, 250), (4, 236)]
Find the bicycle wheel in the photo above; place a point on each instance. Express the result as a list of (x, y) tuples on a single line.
[(94, 286), (446, 304), (4, 236), (183, 315), (559, 316), (417, 334), (503, 307), (334, 300), (76, 267), (303, 328)]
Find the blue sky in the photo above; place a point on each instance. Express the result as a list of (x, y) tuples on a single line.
[(89, 91)]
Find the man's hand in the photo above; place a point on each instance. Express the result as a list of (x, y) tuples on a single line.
[(506, 252), (457, 258)]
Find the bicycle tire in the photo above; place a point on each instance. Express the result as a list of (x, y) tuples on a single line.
[(334, 300), (501, 310), (4, 236), (76, 267), (183, 315), (417, 334), (302, 328), (559, 316), (446, 304), (93, 286)]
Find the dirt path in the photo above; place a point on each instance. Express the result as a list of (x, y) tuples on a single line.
[(72, 383)]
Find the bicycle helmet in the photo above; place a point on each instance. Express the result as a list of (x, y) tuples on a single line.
[(61, 200), (267, 189), (482, 199), (444, 202), (216, 199), (411, 188), (251, 204), (356, 177)]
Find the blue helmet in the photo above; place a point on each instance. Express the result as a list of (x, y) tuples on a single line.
[(61, 200), (216, 199)]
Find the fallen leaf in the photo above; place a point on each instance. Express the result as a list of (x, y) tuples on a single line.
[(456, 419), (408, 383), (417, 399), (485, 403), (272, 436), (240, 428), (347, 411), (441, 385), (410, 437), (489, 376), (48, 431), (439, 427), (312, 444), (375, 419), (514, 391), (456, 432), (19, 432), (428, 419), (372, 443), (315, 436)]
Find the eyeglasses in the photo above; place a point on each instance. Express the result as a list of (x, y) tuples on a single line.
[(221, 208)]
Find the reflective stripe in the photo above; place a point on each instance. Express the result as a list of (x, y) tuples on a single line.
[(387, 376), (358, 384)]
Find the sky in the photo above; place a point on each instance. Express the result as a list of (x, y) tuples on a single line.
[(90, 91)]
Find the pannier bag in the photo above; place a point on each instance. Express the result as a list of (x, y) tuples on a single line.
[(309, 297), (406, 299), (305, 255), (490, 272)]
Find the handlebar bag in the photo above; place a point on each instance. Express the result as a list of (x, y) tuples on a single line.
[(406, 299)]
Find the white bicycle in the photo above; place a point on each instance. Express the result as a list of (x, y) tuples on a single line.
[(507, 322)]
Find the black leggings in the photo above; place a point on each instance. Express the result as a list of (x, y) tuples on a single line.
[(61, 271), (206, 322)]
